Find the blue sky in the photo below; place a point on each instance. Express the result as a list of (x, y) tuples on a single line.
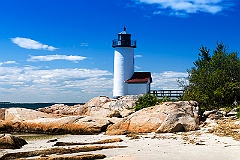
[(60, 50)]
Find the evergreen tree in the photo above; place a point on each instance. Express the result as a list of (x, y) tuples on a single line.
[(214, 81)]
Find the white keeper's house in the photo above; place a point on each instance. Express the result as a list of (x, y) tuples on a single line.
[(126, 81)]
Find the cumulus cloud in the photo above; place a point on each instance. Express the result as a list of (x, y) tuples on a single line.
[(167, 80), (33, 84), (31, 44), (184, 7), (56, 57)]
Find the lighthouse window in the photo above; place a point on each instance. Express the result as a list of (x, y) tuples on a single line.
[(119, 37)]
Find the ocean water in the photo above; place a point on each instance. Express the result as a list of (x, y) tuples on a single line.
[(31, 105)]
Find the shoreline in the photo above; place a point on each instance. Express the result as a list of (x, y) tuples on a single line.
[(196, 145), (144, 134), (34, 105)]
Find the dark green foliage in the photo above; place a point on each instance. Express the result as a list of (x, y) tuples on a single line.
[(166, 99), (146, 101), (238, 115), (214, 81), (238, 111)]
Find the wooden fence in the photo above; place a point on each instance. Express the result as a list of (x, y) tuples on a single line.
[(167, 93)]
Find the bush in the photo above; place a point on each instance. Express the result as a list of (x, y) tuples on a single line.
[(145, 101), (214, 81), (166, 99), (238, 112)]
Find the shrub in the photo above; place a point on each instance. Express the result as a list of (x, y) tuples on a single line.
[(145, 101), (238, 112), (166, 99), (214, 81)]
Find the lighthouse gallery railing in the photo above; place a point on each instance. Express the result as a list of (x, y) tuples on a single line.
[(122, 43)]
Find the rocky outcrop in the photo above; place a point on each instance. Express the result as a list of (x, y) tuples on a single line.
[(61, 109), (100, 113), (101, 106), (22, 114), (62, 125), (104, 106), (11, 142), (114, 113), (219, 114), (2, 113), (233, 112), (166, 117), (31, 121)]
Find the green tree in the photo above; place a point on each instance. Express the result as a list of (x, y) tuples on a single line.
[(214, 81), (145, 101)]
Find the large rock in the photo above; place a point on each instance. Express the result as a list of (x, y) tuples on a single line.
[(11, 142), (126, 112), (23, 114), (61, 109), (166, 117), (219, 114), (2, 113), (71, 124), (55, 121), (103, 106), (233, 112), (100, 106), (31, 121), (60, 125), (96, 124)]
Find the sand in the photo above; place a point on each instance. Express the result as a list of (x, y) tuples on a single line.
[(197, 145)]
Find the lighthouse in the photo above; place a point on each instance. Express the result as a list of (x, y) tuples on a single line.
[(125, 80), (123, 62)]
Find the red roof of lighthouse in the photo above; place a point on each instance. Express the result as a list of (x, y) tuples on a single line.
[(140, 77)]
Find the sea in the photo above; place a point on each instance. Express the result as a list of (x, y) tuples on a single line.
[(31, 105)]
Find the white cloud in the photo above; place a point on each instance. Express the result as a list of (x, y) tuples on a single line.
[(8, 62), (31, 44), (83, 44), (167, 80), (56, 57), (138, 56), (8, 72), (32, 84), (184, 7), (137, 67)]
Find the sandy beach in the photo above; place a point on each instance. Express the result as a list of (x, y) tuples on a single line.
[(210, 140), (197, 145)]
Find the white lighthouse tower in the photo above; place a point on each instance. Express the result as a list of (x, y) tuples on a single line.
[(123, 62)]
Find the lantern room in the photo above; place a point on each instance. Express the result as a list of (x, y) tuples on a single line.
[(124, 40)]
